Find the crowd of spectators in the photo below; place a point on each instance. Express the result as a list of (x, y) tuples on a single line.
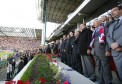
[(16, 64), (25, 43)]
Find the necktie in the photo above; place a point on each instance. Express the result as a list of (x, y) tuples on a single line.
[(117, 21), (116, 24)]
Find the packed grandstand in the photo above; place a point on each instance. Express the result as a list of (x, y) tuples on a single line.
[(7, 43)]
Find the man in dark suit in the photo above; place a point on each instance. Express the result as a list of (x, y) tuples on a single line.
[(64, 57), (83, 48), (55, 48), (98, 50), (48, 49), (77, 58), (72, 61), (67, 50), (61, 49), (20, 65), (25, 59), (114, 38)]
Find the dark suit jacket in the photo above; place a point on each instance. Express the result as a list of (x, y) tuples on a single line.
[(75, 45), (61, 48), (63, 45), (71, 44), (20, 66), (25, 60), (67, 46), (84, 41), (48, 50), (55, 49)]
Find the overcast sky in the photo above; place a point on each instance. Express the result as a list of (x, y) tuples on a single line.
[(21, 13), (18, 13)]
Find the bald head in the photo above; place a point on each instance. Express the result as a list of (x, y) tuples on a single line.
[(103, 18)]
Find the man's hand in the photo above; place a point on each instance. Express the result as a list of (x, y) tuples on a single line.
[(107, 53), (119, 49), (88, 52), (114, 45)]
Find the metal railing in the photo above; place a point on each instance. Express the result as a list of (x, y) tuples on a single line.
[(3, 64)]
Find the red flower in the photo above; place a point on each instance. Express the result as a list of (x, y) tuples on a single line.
[(66, 82), (42, 80), (54, 61), (20, 82), (27, 82)]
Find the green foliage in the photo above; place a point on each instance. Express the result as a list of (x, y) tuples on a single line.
[(28, 72), (36, 82), (55, 70), (40, 68), (44, 70)]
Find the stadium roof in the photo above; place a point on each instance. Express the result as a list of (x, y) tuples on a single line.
[(58, 10), (20, 32), (79, 11)]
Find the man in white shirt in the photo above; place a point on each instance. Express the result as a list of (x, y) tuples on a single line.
[(9, 70)]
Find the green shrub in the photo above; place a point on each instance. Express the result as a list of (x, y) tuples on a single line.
[(28, 73), (41, 69)]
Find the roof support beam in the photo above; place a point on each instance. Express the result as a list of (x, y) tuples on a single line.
[(45, 19), (75, 12)]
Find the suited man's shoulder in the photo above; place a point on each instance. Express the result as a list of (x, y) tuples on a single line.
[(112, 22), (111, 25), (86, 29)]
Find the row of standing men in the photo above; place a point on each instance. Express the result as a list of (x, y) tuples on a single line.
[(99, 41)]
